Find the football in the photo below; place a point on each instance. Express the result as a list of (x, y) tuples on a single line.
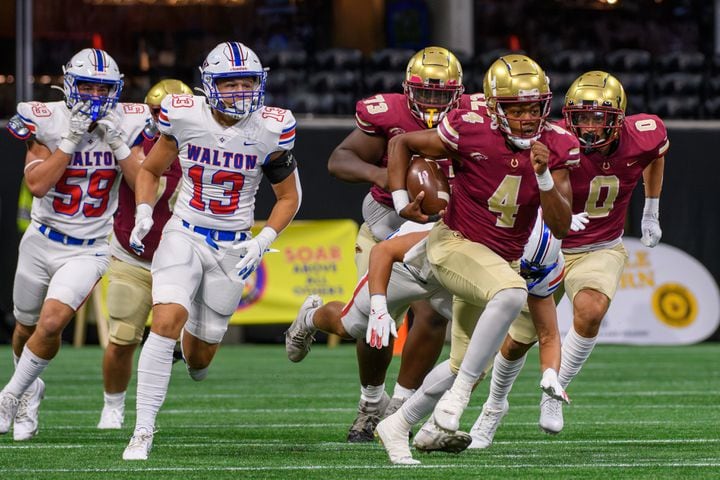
[(425, 175)]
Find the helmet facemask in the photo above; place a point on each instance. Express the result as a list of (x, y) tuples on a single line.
[(431, 102), (97, 67), (530, 127), (585, 122), (238, 103)]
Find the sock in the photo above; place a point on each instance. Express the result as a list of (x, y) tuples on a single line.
[(154, 369), (27, 370), (16, 359), (490, 331), (423, 401), (114, 400), (372, 393), (309, 319), (575, 352), (402, 392), (504, 374), (198, 374)]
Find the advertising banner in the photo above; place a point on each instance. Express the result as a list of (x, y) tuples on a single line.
[(665, 297), (314, 257)]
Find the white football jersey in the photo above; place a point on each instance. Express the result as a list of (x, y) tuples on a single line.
[(222, 165), (84, 200)]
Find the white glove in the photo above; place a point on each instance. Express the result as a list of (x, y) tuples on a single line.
[(380, 324), (143, 224), (111, 131), (253, 251), (578, 222), (551, 386), (650, 224), (79, 123)]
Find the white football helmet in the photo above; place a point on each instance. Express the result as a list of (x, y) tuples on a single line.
[(541, 253), (92, 65), (232, 60)]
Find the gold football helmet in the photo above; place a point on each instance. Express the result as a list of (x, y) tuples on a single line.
[(517, 79), (594, 109), (162, 89), (433, 84)]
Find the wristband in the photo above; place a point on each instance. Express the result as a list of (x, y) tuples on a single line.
[(652, 207), (144, 210), (68, 147), (401, 199), (378, 302), (545, 181), (122, 152)]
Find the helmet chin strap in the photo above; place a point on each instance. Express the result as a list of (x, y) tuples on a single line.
[(522, 143)]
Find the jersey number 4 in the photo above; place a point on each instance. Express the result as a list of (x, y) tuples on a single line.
[(94, 203), (231, 180)]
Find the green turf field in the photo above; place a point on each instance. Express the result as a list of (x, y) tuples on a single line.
[(650, 412)]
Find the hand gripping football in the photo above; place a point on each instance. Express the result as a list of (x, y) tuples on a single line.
[(426, 176)]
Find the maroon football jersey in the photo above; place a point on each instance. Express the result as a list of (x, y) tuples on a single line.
[(125, 215), (603, 185), (496, 197), (388, 115)]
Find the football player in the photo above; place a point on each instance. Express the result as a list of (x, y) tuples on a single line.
[(226, 141), (78, 149), (129, 296), (432, 88), (511, 163), (617, 151)]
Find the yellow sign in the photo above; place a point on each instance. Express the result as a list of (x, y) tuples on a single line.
[(315, 257)]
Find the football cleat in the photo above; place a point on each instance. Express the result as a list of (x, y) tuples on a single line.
[(551, 415), (26, 419), (140, 445), (430, 438), (299, 337), (369, 414), (9, 405), (449, 409), (486, 425), (111, 418), (393, 406), (393, 434)]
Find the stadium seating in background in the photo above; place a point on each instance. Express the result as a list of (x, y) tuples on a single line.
[(389, 59), (573, 61), (339, 59), (629, 60), (680, 62), (681, 106)]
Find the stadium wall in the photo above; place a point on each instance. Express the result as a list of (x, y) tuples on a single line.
[(689, 210)]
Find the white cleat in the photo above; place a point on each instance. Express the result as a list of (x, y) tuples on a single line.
[(393, 434), (449, 409), (26, 419), (551, 386), (140, 445), (111, 418), (299, 337), (430, 438), (551, 415), (9, 405), (483, 432)]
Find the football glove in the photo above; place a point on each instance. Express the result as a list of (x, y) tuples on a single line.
[(380, 324), (650, 223), (578, 222), (111, 131), (252, 251), (79, 123), (551, 386), (143, 224)]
